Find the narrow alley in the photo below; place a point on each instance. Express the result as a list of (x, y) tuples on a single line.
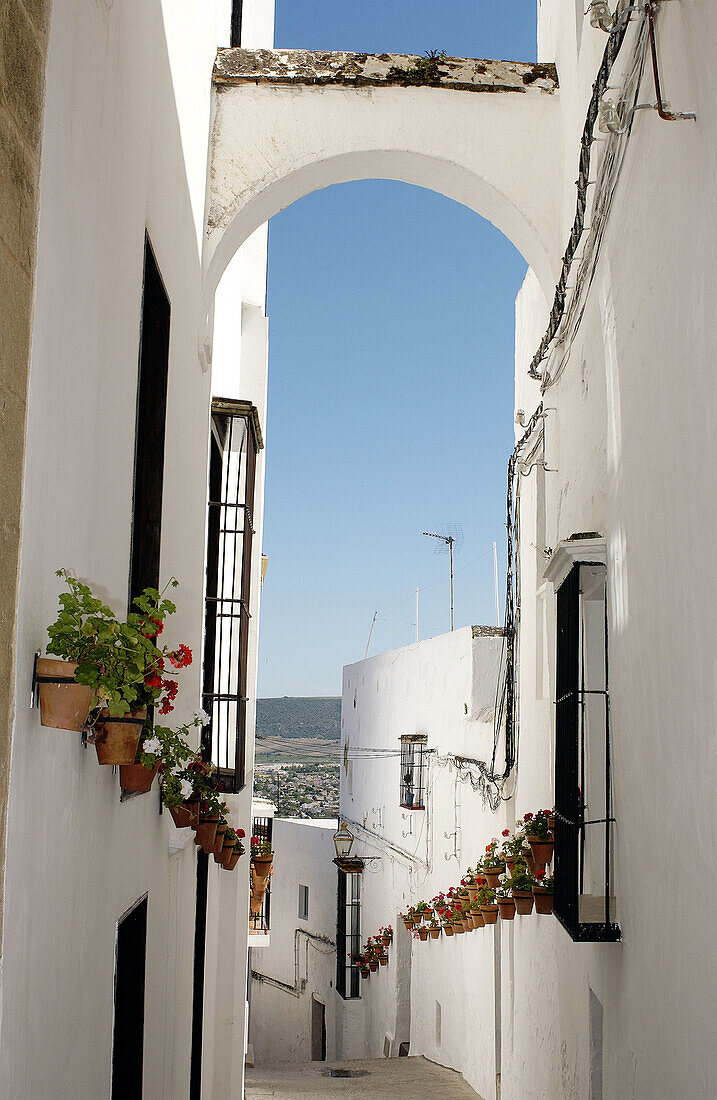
[(381, 1078)]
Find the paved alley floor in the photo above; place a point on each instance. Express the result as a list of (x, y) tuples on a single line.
[(382, 1079)]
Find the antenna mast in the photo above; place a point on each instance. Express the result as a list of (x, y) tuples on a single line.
[(452, 539)]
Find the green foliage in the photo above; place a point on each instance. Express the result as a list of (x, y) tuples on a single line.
[(294, 716), (536, 825), (521, 879), (426, 71), (114, 658)]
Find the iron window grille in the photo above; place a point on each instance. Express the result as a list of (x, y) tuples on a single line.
[(262, 827), (235, 440), (414, 763), (348, 933), (583, 867)]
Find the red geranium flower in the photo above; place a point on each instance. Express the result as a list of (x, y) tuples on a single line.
[(527, 817), (240, 833), (153, 680), (166, 707), (540, 874), (506, 832)]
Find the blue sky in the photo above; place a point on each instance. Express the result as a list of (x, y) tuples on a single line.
[(390, 380)]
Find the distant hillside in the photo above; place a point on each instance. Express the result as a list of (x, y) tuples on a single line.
[(297, 717)]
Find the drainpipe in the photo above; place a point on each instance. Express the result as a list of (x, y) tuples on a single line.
[(497, 1005)]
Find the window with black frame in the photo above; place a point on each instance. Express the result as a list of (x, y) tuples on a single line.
[(414, 758), (348, 933), (584, 851), (235, 440)]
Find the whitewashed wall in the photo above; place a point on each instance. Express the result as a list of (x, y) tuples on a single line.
[(629, 435), (280, 1018), (124, 150), (443, 687)]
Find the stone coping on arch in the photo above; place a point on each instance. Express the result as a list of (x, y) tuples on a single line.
[(308, 67)]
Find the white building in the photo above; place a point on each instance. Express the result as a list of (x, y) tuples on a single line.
[(144, 190)]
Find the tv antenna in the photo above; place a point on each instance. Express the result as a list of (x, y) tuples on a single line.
[(450, 538)]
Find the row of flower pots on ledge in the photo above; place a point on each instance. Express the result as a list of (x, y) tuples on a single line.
[(110, 676), (510, 878), (374, 952), (262, 857)]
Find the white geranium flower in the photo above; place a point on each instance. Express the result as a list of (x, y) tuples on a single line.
[(202, 717), (185, 788), (153, 745)]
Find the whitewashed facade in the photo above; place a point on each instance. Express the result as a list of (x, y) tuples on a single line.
[(624, 456), (123, 153), (621, 455)]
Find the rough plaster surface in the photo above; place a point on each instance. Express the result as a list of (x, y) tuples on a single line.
[(238, 66), (385, 1079), (23, 51), (288, 122)]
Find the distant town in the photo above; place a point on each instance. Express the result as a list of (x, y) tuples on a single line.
[(297, 755)]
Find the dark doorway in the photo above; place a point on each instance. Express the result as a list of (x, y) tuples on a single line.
[(128, 1036), (318, 1031), (149, 429)]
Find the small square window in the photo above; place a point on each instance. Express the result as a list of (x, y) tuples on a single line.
[(414, 758), (303, 903)]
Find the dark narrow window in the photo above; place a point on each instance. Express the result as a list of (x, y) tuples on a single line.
[(414, 759), (260, 921), (236, 22), (150, 429), (583, 810), (348, 933), (128, 1035), (235, 439), (303, 902)]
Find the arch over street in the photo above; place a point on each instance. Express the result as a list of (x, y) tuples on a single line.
[(288, 122)]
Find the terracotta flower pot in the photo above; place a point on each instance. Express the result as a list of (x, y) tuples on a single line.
[(492, 875), (523, 902), (383, 960), (507, 908), (510, 864), (185, 814), (408, 924), (206, 833), (116, 739), (219, 839), (64, 705), (261, 866), (365, 972), (543, 900), (448, 929), (467, 924), (373, 966), (477, 918), (135, 777), (490, 913), (530, 862), (386, 940), (458, 927), (472, 891), (542, 851), (434, 933), (423, 933), (230, 861)]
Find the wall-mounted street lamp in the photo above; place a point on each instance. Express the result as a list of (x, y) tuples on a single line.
[(343, 841)]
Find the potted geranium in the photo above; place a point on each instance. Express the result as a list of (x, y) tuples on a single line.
[(232, 848), (543, 892), (488, 906), (160, 749), (540, 838), (505, 902), (493, 863), (475, 914), (119, 662), (386, 935), (434, 929), (512, 847), (521, 884), (262, 855)]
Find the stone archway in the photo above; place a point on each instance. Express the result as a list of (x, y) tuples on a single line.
[(288, 122)]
